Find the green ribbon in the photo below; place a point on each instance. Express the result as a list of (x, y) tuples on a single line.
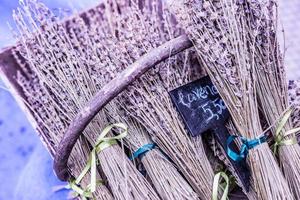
[(217, 184), (102, 143), (83, 193), (279, 138)]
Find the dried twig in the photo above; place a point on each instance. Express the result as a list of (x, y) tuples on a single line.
[(219, 31), (58, 56)]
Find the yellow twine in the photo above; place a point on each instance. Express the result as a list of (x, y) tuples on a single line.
[(102, 143), (217, 184), (279, 138)]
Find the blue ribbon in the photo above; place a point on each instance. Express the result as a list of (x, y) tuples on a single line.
[(247, 145), (142, 150)]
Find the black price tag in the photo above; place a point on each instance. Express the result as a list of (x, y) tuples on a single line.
[(202, 109), (200, 105)]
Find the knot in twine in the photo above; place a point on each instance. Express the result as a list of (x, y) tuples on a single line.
[(140, 152), (246, 146)]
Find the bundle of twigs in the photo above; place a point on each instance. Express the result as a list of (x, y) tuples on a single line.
[(294, 98), (147, 100), (272, 84), (50, 123), (220, 33), (165, 177), (58, 56)]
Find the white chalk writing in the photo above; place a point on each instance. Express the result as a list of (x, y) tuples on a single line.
[(206, 108), (217, 104), (198, 93)]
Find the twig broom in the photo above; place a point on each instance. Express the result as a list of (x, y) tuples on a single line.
[(57, 61), (219, 32), (148, 100), (272, 87)]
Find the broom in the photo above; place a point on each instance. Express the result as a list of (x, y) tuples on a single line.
[(148, 100), (272, 87), (50, 123), (163, 174), (219, 32), (56, 61), (36, 102), (294, 98)]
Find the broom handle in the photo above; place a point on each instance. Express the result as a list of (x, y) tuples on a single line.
[(108, 92)]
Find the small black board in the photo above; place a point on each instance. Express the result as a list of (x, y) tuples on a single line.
[(202, 109), (200, 105)]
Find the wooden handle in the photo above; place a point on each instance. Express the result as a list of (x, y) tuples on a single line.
[(108, 92)]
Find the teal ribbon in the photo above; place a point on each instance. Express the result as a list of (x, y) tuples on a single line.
[(246, 146), (142, 150)]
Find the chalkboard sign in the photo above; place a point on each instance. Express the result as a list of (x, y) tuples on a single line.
[(202, 109), (200, 105)]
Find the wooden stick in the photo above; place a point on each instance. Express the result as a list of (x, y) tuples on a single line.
[(108, 92)]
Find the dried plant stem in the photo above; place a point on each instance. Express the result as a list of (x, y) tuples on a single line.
[(125, 182), (220, 34), (62, 68), (108, 92), (51, 128), (272, 87), (166, 179)]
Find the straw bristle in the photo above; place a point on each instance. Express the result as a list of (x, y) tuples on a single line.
[(223, 39), (271, 82), (59, 57), (166, 179), (51, 125), (294, 98), (147, 100)]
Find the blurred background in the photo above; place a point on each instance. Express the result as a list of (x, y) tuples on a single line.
[(25, 165)]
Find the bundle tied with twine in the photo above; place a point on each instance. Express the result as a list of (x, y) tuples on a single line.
[(165, 177), (58, 55), (294, 99), (272, 89), (220, 33), (162, 173), (147, 100), (51, 122)]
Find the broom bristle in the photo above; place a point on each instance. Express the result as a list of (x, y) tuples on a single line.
[(61, 60), (220, 32), (147, 100), (166, 179), (272, 85)]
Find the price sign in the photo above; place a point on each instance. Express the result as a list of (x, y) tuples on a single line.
[(202, 109)]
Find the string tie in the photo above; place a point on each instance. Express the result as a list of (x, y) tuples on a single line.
[(140, 152), (280, 139), (246, 146), (102, 143), (217, 184)]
